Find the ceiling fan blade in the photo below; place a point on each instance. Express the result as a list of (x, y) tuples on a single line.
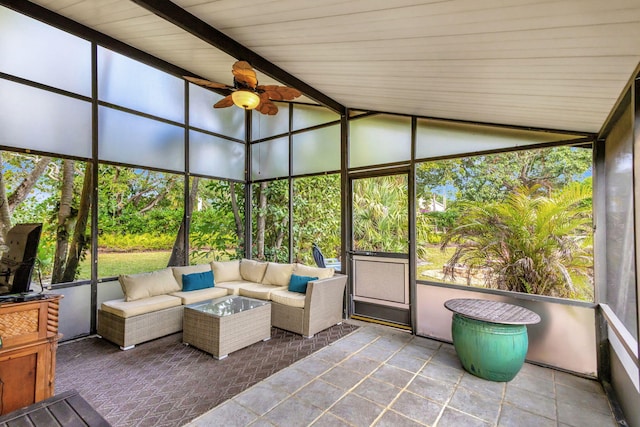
[(207, 83), (227, 101), (266, 106), (280, 93), (244, 74)]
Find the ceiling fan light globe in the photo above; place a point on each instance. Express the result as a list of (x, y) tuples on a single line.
[(245, 99)]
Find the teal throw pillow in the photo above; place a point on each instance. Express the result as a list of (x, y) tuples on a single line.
[(299, 283), (195, 281)]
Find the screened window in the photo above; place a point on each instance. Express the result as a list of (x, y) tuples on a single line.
[(270, 221), (379, 139), (438, 138), (305, 116), (132, 84), (214, 156), (139, 215), (131, 139), (224, 121), (36, 51), (316, 217), (518, 221), (40, 120), (620, 291), (57, 194), (265, 126), (217, 220), (316, 151), (270, 159)]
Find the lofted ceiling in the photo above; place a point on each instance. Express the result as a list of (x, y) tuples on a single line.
[(535, 63)]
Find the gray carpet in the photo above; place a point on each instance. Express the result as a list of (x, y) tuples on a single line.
[(165, 383)]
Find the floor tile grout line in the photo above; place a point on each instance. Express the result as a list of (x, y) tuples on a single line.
[(382, 363), (317, 377), (289, 394), (395, 399)]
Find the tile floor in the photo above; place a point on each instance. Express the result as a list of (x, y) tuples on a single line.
[(384, 377)]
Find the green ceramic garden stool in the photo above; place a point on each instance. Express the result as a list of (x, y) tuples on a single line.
[(490, 337)]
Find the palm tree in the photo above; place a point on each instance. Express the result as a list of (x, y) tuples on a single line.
[(528, 242)]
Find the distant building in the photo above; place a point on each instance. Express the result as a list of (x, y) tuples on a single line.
[(433, 205)]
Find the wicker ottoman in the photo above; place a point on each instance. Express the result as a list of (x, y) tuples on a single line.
[(227, 324)]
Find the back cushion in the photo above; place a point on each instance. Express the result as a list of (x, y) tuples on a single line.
[(144, 285), (320, 273), (252, 271), (277, 274), (189, 269), (196, 281), (226, 271)]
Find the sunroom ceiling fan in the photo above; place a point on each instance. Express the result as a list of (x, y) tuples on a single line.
[(246, 93)]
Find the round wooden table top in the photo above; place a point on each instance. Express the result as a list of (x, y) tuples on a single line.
[(492, 311)]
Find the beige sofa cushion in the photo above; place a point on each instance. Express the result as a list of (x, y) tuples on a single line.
[(179, 271), (252, 271), (258, 290), (226, 271), (285, 297), (234, 286), (191, 297), (277, 274), (125, 309), (144, 285), (320, 273)]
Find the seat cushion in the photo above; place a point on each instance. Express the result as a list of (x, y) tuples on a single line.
[(125, 309), (191, 297), (226, 271), (234, 286), (189, 269), (292, 299), (320, 273), (144, 285), (277, 274), (258, 290)]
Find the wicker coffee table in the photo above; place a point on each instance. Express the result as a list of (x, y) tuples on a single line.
[(226, 324)]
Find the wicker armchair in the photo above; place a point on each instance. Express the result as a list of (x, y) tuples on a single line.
[(323, 308)]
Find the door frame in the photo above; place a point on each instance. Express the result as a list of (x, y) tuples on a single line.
[(408, 171)]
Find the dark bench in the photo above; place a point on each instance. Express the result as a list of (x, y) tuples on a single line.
[(66, 409)]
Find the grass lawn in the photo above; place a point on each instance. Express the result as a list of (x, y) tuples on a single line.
[(434, 260), (114, 263)]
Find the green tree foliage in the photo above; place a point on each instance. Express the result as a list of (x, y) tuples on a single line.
[(138, 201), (491, 177), (316, 216), (528, 242), (217, 221), (271, 221), (380, 220), (52, 192)]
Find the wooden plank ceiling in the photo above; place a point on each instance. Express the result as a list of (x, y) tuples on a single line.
[(537, 63)]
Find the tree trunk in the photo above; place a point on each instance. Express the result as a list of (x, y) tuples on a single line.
[(64, 220), (160, 196), (236, 212), (80, 241), (280, 237), (179, 252), (5, 215), (24, 188), (262, 219)]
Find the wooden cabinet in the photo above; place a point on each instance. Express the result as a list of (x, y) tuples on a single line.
[(29, 332)]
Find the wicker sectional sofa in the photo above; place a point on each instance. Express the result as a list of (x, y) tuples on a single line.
[(153, 303)]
